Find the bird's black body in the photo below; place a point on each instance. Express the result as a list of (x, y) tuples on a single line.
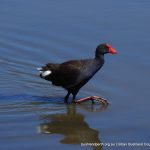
[(72, 75)]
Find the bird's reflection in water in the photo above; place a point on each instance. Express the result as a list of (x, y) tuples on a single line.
[(72, 125)]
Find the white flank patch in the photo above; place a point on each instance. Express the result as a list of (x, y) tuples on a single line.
[(46, 73)]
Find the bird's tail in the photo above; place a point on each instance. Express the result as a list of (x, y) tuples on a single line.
[(44, 71)]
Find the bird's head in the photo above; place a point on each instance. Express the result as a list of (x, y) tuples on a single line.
[(104, 49)]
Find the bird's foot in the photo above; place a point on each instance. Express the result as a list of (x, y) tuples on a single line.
[(101, 100)]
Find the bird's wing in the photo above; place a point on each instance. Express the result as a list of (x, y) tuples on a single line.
[(71, 73), (66, 74)]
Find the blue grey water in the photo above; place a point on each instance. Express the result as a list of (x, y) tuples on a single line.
[(32, 112)]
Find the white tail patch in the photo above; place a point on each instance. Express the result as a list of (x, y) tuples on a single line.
[(39, 69), (46, 73)]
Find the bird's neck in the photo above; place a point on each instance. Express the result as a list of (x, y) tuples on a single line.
[(100, 58), (99, 61)]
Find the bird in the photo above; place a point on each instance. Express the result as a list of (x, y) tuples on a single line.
[(74, 74)]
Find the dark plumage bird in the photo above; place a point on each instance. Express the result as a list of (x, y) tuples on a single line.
[(74, 74)]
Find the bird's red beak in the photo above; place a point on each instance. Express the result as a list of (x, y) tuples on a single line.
[(111, 49)]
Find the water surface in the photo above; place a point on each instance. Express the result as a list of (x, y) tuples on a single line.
[(32, 112)]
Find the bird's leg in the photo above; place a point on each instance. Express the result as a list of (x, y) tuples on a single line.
[(66, 97), (74, 96), (92, 98), (73, 99)]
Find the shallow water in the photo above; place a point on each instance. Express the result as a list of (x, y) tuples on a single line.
[(32, 112)]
